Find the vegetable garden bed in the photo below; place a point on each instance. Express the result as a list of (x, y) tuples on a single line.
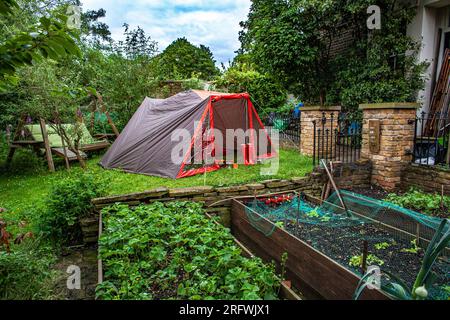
[(325, 257), (172, 251)]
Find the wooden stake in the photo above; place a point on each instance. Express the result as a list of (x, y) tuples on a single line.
[(327, 191), (322, 195), (8, 134), (100, 262), (418, 234), (299, 202), (364, 256), (93, 110), (338, 193), (48, 150)]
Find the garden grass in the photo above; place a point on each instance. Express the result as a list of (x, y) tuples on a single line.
[(23, 187)]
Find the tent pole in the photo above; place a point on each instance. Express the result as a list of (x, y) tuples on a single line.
[(204, 176)]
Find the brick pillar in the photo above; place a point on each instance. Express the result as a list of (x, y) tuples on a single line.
[(311, 114), (388, 140)]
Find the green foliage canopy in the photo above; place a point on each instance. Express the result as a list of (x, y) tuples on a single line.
[(266, 93), (292, 40), (51, 38), (183, 60)]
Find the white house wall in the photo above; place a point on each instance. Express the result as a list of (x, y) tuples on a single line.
[(431, 15)]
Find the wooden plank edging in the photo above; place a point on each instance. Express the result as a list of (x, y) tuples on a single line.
[(306, 265)]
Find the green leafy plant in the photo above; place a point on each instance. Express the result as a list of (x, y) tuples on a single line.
[(427, 203), (397, 289), (49, 38), (25, 272), (446, 288), (382, 245), (172, 251), (313, 213), (69, 200), (356, 261), (292, 40), (266, 93), (280, 224), (414, 249)]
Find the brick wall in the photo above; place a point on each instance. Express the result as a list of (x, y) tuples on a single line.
[(311, 114), (343, 42), (346, 175), (395, 140), (426, 178)]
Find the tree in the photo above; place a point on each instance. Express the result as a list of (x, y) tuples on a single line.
[(267, 94), (99, 31), (49, 39), (183, 60), (291, 40), (137, 44), (382, 65)]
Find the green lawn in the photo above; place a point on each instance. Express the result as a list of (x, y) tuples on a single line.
[(26, 184)]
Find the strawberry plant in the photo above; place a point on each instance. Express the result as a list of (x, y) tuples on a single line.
[(172, 251)]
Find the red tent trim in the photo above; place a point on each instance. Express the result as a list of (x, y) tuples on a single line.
[(199, 127), (250, 111)]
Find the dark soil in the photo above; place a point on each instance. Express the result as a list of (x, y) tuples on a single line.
[(343, 242), (374, 192)]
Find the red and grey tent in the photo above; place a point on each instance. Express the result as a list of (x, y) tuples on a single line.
[(146, 145)]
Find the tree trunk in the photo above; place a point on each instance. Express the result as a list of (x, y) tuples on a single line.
[(110, 121)]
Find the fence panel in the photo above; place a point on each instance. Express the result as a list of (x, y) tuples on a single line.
[(337, 139), (288, 127), (432, 144)]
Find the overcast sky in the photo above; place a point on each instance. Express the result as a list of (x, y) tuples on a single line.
[(212, 23)]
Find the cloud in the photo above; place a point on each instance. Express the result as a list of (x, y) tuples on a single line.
[(212, 23)]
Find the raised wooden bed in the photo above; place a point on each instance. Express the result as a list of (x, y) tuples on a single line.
[(315, 274)]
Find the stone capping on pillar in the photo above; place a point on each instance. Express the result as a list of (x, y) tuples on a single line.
[(321, 108), (389, 105)]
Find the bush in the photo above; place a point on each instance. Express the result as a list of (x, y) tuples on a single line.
[(25, 272), (427, 203), (67, 202), (172, 251), (267, 94)]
